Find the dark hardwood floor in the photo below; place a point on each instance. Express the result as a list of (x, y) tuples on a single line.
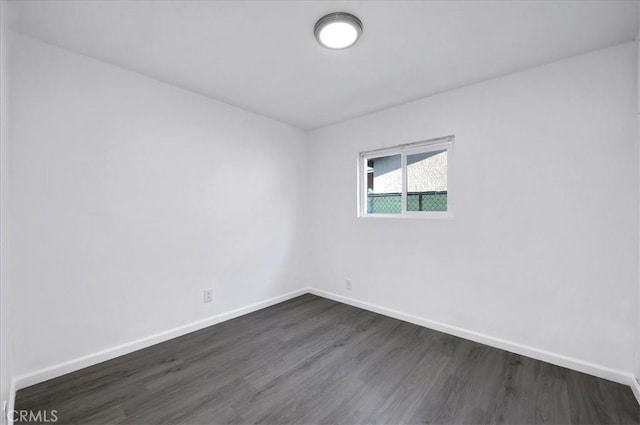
[(311, 360)]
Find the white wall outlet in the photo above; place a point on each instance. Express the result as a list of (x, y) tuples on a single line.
[(208, 295), (348, 284)]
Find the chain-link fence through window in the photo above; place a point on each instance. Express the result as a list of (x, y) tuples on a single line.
[(391, 203)]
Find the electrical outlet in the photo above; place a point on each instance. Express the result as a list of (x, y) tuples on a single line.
[(208, 295), (348, 284)]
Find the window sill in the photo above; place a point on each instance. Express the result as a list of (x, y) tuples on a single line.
[(420, 216)]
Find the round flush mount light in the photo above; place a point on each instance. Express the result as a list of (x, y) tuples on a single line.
[(338, 30)]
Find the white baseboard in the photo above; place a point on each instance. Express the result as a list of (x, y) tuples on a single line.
[(11, 403), (95, 358), (546, 356), (60, 369), (635, 387)]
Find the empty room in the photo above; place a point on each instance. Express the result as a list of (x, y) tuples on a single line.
[(319, 212)]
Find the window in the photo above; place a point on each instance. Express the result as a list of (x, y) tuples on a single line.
[(411, 180)]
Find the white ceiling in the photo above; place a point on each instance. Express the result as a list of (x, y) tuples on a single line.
[(262, 55)]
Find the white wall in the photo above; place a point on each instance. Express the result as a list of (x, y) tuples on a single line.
[(543, 248), (637, 336), (130, 196), (6, 302)]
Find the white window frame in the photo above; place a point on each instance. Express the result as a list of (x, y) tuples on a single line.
[(441, 143)]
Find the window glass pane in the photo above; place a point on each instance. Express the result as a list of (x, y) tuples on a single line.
[(384, 185), (427, 181)]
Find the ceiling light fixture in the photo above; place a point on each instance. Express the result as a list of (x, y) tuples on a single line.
[(338, 30)]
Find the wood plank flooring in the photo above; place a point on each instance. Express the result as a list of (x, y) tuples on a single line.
[(310, 360)]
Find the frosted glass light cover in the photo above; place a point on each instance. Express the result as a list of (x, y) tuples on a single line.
[(338, 30)]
